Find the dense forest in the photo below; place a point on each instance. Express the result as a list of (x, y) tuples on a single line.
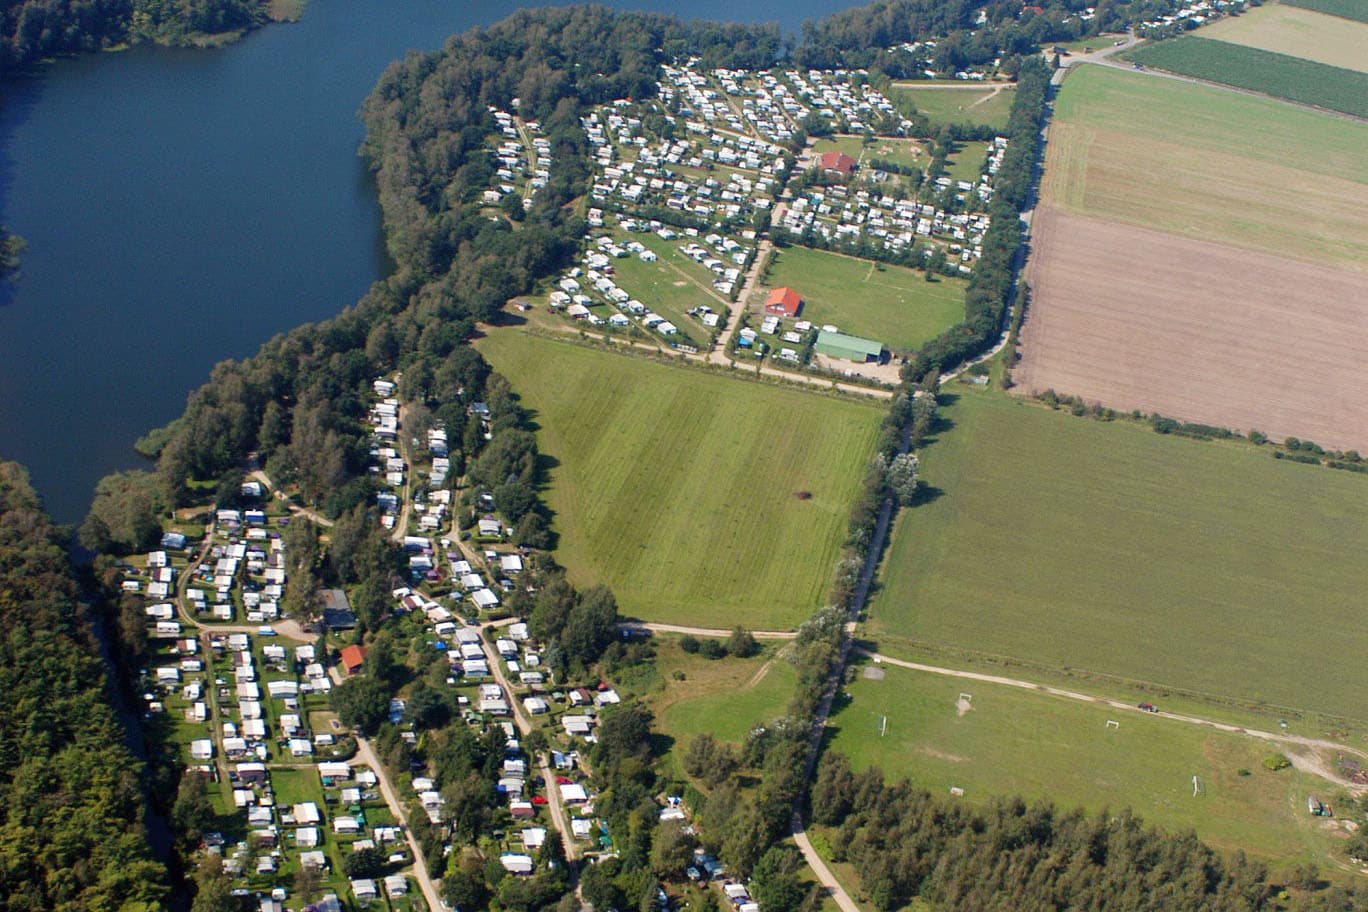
[(1006, 855), (33, 29), (71, 793)]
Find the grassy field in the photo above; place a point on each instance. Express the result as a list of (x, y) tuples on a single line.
[(1107, 548), (677, 487), (1268, 72), (967, 163), (1012, 741), (972, 104), (893, 305), (1347, 9), (887, 148), (1210, 164), (671, 286), (1290, 30), (723, 697)]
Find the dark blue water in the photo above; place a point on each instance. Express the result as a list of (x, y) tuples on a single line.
[(183, 206)]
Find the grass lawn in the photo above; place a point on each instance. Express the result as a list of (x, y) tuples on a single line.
[(671, 286), (967, 163), (850, 145), (891, 304), (677, 487), (1298, 32), (1211, 164), (724, 697), (970, 104), (1109, 549), (1039, 746)]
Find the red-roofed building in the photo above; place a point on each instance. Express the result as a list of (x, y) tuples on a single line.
[(352, 658), (836, 161), (783, 302)]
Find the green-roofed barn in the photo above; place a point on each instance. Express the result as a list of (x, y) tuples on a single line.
[(849, 348)]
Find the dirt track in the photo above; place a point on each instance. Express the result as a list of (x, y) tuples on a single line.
[(1140, 319)]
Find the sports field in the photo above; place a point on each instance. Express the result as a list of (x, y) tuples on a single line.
[(1297, 32), (679, 488), (890, 304), (975, 104), (1110, 549), (1002, 740), (1267, 72)]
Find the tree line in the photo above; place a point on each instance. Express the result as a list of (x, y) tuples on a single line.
[(33, 29)]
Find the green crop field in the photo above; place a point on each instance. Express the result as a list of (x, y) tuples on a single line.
[(1296, 32), (1211, 164), (1012, 741), (1279, 75), (678, 488), (975, 104), (1110, 549), (1346, 9), (893, 305)]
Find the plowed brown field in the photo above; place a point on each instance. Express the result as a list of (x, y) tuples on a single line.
[(1198, 331)]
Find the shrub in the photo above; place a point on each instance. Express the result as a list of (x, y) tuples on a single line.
[(1275, 762)]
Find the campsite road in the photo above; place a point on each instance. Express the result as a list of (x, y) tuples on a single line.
[(719, 353), (548, 778), (294, 508), (820, 869), (1310, 764)]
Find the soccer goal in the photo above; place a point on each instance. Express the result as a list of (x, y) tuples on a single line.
[(883, 726), (1113, 725)]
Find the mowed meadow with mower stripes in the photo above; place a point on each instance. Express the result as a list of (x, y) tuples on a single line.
[(701, 499)]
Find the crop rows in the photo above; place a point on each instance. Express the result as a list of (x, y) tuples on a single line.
[(1279, 75)]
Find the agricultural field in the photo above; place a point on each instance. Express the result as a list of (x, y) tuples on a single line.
[(1200, 339), (700, 499), (1347, 9), (1108, 549), (891, 304), (1286, 29), (1187, 233), (992, 739), (1211, 165), (1282, 76), (959, 104)]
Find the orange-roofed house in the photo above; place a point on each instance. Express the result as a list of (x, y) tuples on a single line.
[(836, 161), (352, 658), (783, 302)]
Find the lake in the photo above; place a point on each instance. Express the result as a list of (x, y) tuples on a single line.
[(183, 206)]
